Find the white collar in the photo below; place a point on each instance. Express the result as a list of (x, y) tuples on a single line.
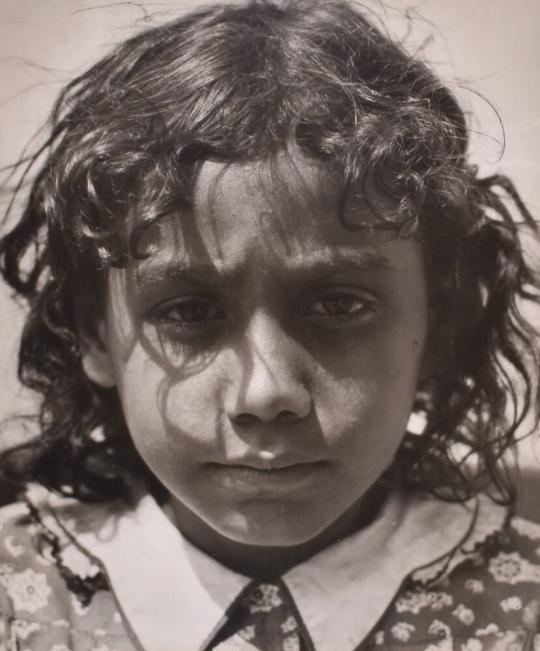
[(169, 590)]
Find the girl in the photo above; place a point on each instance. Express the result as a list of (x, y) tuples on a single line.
[(253, 246)]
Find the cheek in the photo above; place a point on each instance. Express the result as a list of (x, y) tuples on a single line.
[(170, 416), (365, 400), (367, 413)]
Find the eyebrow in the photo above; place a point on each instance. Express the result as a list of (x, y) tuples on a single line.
[(313, 268), (303, 268)]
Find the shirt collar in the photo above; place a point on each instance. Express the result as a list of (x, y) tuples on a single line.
[(169, 590)]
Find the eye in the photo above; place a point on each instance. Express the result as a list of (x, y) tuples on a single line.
[(342, 306), (191, 311)]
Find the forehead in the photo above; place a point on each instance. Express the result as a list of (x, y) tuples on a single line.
[(284, 209), (302, 190), (282, 186)]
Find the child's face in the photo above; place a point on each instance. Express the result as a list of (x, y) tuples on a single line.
[(266, 356)]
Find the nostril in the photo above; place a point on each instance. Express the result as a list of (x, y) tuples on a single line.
[(286, 415), (246, 419)]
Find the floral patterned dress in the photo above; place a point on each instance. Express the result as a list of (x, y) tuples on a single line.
[(481, 595)]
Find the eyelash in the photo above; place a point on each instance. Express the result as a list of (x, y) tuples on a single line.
[(164, 313), (366, 306), (344, 300)]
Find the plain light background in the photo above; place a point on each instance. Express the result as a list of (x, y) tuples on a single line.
[(483, 49)]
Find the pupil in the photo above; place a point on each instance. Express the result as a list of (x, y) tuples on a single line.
[(338, 305), (194, 311)]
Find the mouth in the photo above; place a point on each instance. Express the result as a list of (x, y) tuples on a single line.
[(260, 476)]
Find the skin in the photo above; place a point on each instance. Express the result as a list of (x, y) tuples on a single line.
[(266, 358)]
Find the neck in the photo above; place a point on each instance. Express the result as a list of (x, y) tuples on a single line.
[(269, 563)]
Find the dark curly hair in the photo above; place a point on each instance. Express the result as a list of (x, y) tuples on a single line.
[(245, 82)]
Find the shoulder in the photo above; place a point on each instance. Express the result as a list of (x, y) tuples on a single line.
[(27, 571), (484, 595), (51, 593)]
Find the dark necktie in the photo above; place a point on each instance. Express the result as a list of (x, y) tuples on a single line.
[(263, 619)]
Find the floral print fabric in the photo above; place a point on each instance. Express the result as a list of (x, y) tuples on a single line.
[(484, 596), (490, 601), (37, 610), (263, 620)]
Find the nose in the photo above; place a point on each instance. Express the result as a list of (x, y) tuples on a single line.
[(269, 383)]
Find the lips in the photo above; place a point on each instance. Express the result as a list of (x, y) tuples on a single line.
[(259, 475)]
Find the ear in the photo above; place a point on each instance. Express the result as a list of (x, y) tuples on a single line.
[(96, 359)]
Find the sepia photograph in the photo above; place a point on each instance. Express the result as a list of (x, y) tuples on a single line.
[(270, 334)]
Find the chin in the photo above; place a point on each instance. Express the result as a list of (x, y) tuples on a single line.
[(271, 526)]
